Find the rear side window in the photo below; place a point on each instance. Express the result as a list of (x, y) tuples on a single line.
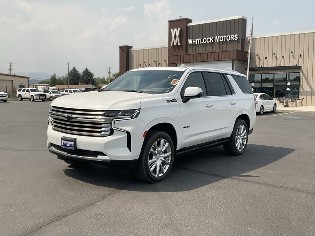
[(216, 84), (242, 82)]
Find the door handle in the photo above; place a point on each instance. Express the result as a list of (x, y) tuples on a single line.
[(232, 103), (209, 105)]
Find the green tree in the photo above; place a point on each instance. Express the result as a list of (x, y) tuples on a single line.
[(53, 80), (100, 80), (61, 80), (74, 76), (87, 77)]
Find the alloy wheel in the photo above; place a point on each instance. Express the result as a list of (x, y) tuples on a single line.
[(241, 138), (159, 157)]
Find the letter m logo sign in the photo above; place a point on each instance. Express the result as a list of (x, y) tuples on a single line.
[(175, 37)]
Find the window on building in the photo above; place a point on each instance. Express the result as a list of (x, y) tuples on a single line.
[(277, 84), (280, 77)]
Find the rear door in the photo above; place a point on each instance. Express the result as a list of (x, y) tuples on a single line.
[(221, 113)]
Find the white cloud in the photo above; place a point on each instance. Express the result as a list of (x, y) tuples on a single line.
[(159, 8), (129, 9)]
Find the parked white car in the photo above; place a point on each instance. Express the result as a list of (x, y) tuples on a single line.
[(264, 103), (147, 116), (53, 94), (31, 93), (71, 91), (3, 96)]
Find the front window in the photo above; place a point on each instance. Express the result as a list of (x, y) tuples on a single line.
[(55, 91), (146, 81), (34, 90)]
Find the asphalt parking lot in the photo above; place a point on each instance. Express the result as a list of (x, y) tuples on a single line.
[(270, 190)]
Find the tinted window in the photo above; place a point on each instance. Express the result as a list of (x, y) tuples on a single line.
[(265, 97), (242, 82), (195, 79), (216, 84)]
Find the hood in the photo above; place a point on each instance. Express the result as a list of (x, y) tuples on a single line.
[(3, 93), (106, 100)]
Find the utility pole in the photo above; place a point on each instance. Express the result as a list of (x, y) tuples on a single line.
[(109, 73), (68, 76), (10, 68)]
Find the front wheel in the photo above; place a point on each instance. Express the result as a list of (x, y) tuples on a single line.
[(261, 110), (32, 99), (238, 140), (156, 158), (20, 97)]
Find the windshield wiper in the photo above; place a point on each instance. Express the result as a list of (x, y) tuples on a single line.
[(133, 90)]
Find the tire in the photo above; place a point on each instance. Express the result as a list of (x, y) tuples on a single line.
[(274, 109), (32, 99), (20, 98), (261, 110), (43, 100), (238, 140), (152, 166), (5, 100)]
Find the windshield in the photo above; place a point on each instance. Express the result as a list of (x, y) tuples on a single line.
[(146, 81), (54, 91), (76, 91), (34, 90)]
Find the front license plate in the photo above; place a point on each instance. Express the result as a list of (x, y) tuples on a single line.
[(68, 143)]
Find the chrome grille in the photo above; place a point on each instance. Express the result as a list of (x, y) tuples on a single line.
[(80, 121)]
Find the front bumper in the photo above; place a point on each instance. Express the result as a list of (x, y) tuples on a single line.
[(115, 147)]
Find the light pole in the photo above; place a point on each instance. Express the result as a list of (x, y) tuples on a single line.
[(68, 76)]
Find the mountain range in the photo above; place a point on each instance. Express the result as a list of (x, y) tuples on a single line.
[(36, 77)]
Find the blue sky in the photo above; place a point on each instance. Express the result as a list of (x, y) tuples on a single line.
[(43, 36)]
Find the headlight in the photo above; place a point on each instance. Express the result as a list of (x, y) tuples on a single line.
[(122, 114)]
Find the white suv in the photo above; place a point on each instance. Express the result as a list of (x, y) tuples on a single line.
[(147, 116), (31, 93)]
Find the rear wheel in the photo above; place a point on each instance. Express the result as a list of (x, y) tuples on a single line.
[(5, 100), (261, 110), (156, 158), (238, 140), (274, 109)]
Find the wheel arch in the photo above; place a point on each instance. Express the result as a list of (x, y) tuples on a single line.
[(167, 128), (245, 118)]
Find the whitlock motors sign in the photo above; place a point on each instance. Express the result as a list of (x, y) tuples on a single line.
[(175, 37), (214, 39)]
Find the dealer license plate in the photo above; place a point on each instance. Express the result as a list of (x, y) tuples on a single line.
[(68, 143)]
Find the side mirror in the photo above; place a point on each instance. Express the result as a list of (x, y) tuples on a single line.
[(191, 92)]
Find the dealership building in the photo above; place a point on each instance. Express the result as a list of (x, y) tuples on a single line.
[(280, 65), (10, 83)]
